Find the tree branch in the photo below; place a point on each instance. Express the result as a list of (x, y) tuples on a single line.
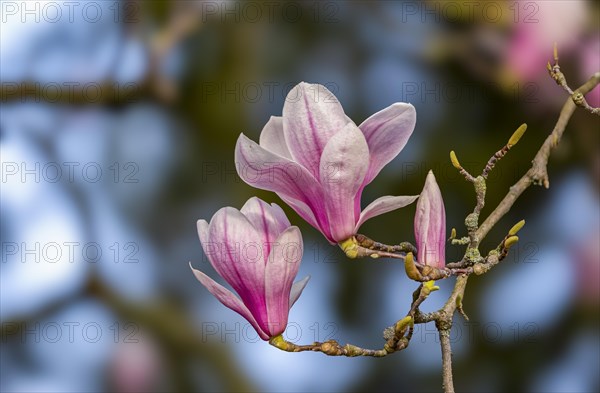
[(448, 383), (397, 341), (578, 96), (538, 173), (399, 335)]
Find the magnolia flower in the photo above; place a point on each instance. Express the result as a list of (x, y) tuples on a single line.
[(318, 161), (430, 225), (258, 253), (539, 26)]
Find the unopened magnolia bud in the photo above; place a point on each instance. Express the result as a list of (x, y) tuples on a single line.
[(511, 241), (516, 228), (411, 269), (402, 324), (429, 287), (514, 139), (454, 160), (452, 234)]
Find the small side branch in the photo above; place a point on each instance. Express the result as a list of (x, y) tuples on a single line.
[(398, 341), (360, 246), (538, 173), (578, 96), (461, 170), (514, 139), (371, 244)]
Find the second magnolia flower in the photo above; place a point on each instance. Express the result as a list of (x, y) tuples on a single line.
[(258, 252), (318, 161)]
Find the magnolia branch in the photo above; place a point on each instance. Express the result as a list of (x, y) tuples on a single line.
[(396, 341), (578, 96), (399, 335), (538, 173)]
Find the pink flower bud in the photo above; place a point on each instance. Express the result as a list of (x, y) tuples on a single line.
[(430, 225)]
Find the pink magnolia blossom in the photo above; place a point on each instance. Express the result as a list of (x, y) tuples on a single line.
[(430, 225), (318, 161), (540, 24), (590, 65), (258, 253)]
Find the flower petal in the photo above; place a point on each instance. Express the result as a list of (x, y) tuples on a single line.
[(282, 268), (306, 213), (272, 139), (202, 227), (268, 220), (297, 289), (383, 205), (268, 171), (311, 116), (387, 132), (240, 258), (342, 170), (430, 225), (228, 299)]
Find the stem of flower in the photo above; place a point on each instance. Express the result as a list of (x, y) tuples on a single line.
[(371, 244), (397, 342)]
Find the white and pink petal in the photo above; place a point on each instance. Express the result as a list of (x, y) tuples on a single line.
[(311, 116), (430, 225), (272, 138), (282, 268), (268, 220), (297, 289), (387, 132), (241, 259), (342, 170), (263, 169), (229, 300), (383, 205)]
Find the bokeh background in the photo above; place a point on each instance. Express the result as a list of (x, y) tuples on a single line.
[(118, 124)]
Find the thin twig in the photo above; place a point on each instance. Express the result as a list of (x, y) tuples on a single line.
[(397, 341), (371, 244), (400, 334), (538, 173), (578, 96)]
